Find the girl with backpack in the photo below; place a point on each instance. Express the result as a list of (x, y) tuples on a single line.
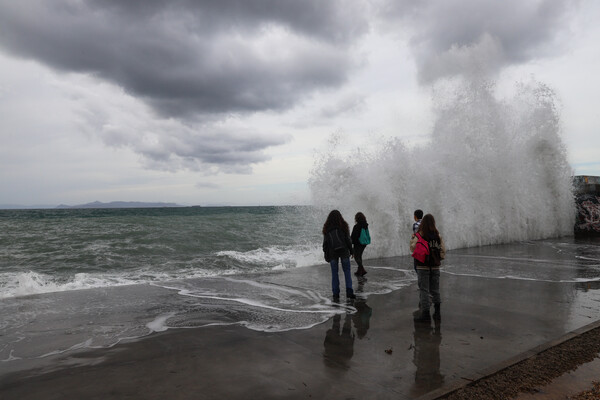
[(428, 249), (336, 246), (358, 246)]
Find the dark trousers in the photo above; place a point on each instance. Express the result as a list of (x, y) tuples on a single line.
[(358, 252), (429, 284)]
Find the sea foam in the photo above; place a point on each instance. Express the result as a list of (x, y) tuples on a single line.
[(18, 284), (276, 257)]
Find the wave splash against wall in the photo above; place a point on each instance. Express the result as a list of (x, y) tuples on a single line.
[(494, 171)]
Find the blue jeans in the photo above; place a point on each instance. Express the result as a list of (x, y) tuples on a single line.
[(335, 280), (429, 283)]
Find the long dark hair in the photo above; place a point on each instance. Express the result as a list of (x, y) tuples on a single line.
[(335, 220), (360, 218), (427, 228)]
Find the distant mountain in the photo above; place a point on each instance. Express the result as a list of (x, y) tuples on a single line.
[(121, 204)]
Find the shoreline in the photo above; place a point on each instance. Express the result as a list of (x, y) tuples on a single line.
[(485, 321)]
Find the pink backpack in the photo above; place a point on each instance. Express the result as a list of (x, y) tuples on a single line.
[(421, 250)]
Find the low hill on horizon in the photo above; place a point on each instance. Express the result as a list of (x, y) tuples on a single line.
[(120, 204)]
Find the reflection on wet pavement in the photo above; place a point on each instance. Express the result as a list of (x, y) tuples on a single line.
[(426, 356), (339, 339)]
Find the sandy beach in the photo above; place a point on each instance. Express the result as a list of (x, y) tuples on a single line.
[(377, 352)]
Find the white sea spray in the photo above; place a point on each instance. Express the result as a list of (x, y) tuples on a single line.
[(493, 171)]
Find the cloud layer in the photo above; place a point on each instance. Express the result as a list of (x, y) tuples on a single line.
[(196, 65), (197, 62), (458, 37), (192, 57)]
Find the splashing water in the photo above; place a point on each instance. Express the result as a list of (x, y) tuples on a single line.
[(494, 171)]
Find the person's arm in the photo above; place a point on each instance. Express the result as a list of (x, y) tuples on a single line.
[(349, 245), (355, 234), (413, 243), (443, 248), (326, 248)]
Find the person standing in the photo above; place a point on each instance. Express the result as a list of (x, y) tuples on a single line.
[(358, 247), (338, 246), (418, 216), (428, 249)]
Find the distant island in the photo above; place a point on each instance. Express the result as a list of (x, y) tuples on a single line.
[(120, 204)]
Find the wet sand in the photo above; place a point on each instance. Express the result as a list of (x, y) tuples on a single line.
[(377, 352)]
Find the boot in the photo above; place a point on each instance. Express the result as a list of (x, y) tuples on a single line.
[(437, 315), (422, 315), (360, 272), (350, 294)]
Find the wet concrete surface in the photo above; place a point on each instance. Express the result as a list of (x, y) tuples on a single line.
[(494, 308), (377, 352)]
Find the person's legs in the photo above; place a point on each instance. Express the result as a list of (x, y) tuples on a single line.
[(335, 280), (423, 275), (358, 252), (347, 276), (434, 286), (422, 314)]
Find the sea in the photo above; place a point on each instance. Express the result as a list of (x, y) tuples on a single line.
[(74, 279), (91, 278), (494, 174)]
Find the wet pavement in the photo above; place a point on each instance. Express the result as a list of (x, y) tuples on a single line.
[(376, 351)]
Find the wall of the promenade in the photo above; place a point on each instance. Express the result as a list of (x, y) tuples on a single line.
[(587, 198)]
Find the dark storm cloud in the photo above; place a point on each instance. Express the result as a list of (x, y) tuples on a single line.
[(333, 21), (196, 62), (191, 57), (459, 36)]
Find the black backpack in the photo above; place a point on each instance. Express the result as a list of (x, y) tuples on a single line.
[(434, 259), (336, 240)]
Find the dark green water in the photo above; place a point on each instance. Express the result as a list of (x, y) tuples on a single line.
[(50, 250)]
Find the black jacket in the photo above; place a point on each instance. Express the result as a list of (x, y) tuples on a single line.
[(336, 237), (356, 232)]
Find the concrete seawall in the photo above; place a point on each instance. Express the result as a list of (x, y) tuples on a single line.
[(587, 199)]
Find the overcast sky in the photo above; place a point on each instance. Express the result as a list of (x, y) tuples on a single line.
[(226, 102)]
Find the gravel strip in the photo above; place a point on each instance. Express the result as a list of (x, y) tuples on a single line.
[(539, 370), (592, 394)]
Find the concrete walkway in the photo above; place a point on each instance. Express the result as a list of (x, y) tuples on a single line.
[(376, 353)]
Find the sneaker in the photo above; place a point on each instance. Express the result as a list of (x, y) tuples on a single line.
[(421, 316)]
